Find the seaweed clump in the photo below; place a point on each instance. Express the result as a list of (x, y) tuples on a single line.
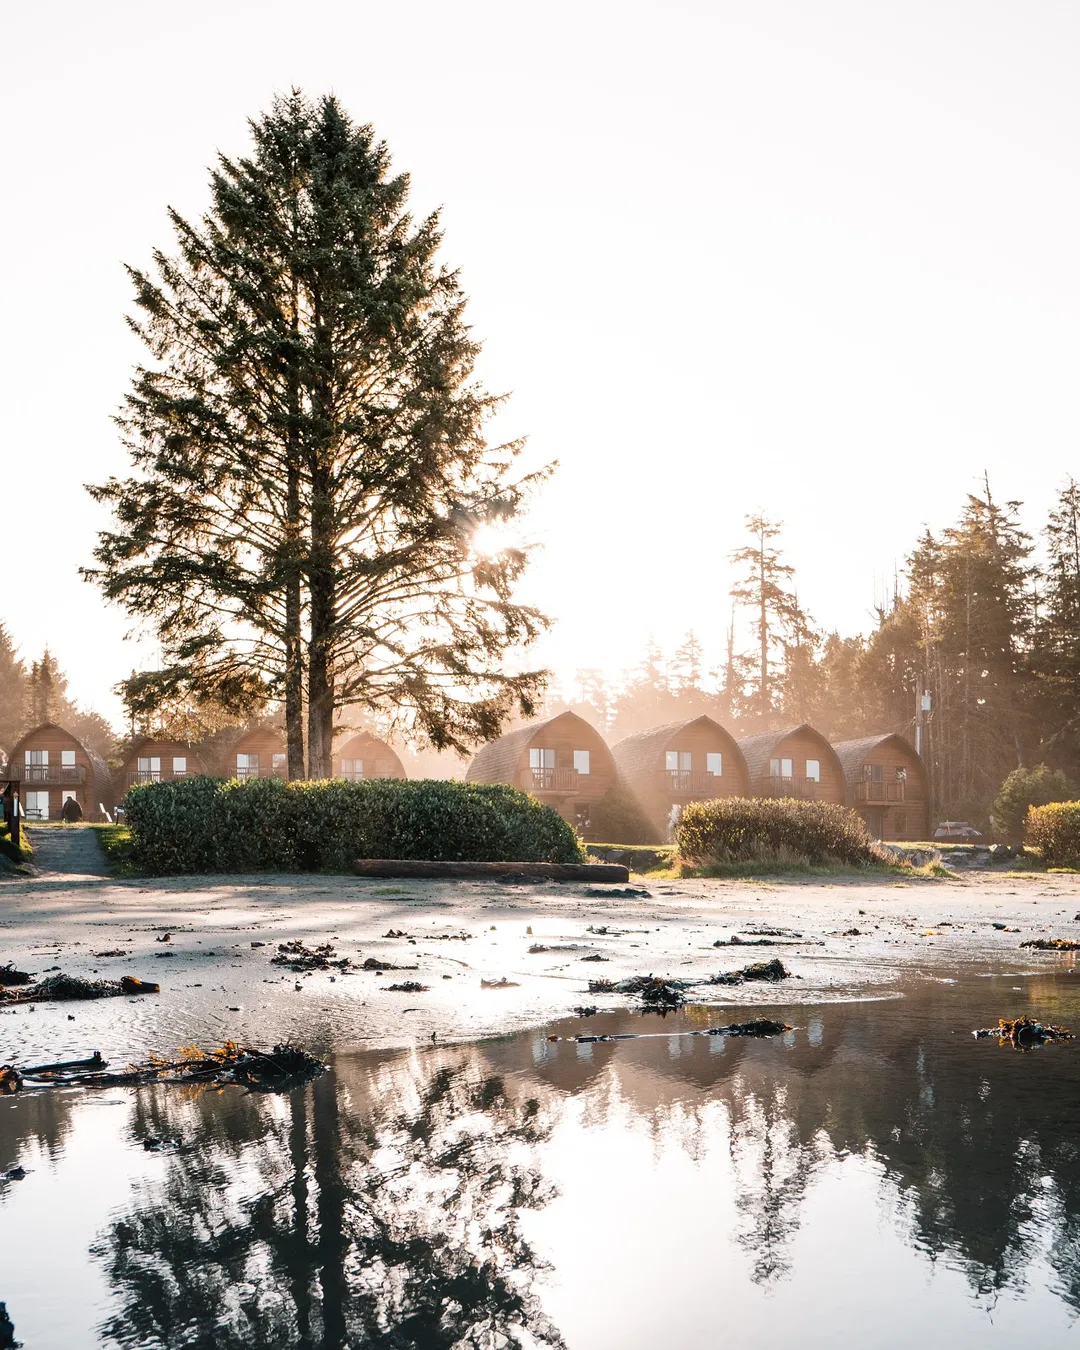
[(1024, 1031), (1053, 944), (298, 957), (771, 971)]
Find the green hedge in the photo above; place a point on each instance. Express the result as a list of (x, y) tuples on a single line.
[(1024, 788), (260, 824), (774, 831), (1055, 831)]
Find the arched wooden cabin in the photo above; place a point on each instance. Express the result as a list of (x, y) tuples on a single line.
[(155, 761), (794, 762), (51, 766), (681, 762), (564, 761), (888, 785), (259, 753), (366, 756)]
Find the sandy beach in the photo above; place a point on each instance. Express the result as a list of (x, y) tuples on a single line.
[(218, 981)]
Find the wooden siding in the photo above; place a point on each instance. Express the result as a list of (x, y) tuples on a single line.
[(798, 744), (166, 751), (642, 765), (572, 794), (887, 817), (264, 742), (89, 782), (380, 760)]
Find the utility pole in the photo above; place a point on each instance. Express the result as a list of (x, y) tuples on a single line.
[(923, 704)]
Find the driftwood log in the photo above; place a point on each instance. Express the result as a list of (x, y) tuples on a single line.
[(488, 871)]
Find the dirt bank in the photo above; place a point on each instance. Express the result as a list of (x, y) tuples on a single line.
[(217, 980)]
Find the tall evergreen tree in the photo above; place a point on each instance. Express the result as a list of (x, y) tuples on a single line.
[(13, 695), (766, 588), (311, 464), (1055, 658)]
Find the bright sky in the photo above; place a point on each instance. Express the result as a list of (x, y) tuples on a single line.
[(813, 256)]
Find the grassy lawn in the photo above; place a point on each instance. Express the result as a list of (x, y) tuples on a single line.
[(116, 844)]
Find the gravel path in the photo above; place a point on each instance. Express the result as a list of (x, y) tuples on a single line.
[(67, 850)]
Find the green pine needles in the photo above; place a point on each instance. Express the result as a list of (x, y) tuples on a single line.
[(310, 463)]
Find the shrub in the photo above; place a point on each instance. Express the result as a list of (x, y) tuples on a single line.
[(1023, 788), (775, 831), (257, 824), (1054, 829), (618, 817)]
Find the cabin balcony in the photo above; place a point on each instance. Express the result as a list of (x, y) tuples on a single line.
[(868, 793), (53, 775), (550, 780), (263, 771), (136, 776), (775, 786), (689, 783)]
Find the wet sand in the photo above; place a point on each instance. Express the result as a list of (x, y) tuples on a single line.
[(217, 984)]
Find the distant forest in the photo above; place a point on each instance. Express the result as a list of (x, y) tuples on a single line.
[(984, 616)]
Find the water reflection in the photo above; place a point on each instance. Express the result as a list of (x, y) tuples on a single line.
[(375, 1209), (388, 1203)]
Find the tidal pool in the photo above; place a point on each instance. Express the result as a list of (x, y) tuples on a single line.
[(874, 1178)]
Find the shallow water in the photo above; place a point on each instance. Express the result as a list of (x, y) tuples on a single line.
[(875, 1178)]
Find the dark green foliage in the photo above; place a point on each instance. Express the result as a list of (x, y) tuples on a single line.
[(1055, 830), (618, 818), (780, 832), (1025, 787), (310, 458), (260, 824)]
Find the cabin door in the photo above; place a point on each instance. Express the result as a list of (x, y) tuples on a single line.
[(37, 805)]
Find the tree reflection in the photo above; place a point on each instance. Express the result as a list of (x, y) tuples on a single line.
[(393, 1225)]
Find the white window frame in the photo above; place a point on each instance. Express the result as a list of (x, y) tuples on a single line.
[(67, 759), (179, 766), (581, 762), (813, 775), (541, 757), (781, 768), (714, 763)]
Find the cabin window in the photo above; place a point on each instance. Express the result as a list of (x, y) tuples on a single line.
[(352, 768), (149, 768), (541, 759), (901, 773), (813, 770), (581, 761), (582, 818), (36, 805), (278, 763), (677, 761), (67, 759), (179, 766), (714, 763), (37, 758), (247, 766), (900, 824), (780, 768)]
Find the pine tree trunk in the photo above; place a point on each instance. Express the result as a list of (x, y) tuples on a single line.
[(320, 646), (294, 646)]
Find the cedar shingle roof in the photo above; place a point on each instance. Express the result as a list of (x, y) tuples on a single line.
[(638, 755), (853, 754), (497, 762), (757, 750)]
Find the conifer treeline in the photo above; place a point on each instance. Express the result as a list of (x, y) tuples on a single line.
[(35, 693), (985, 617)]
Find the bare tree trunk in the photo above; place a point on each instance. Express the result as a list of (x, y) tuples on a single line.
[(333, 1244)]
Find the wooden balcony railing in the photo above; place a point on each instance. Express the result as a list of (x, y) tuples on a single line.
[(263, 771), (689, 782), (770, 786), (550, 780), (52, 774), (868, 793), (152, 776)]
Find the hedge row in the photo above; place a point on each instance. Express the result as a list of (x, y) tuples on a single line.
[(774, 831), (260, 824), (1055, 830)]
